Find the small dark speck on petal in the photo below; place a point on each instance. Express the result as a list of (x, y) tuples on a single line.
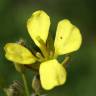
[(61, 37)]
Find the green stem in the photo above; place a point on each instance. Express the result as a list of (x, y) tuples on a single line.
[(38, 94), (65, 61), (25, 84)]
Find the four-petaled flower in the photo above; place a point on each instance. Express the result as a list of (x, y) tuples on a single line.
[(67, 40)]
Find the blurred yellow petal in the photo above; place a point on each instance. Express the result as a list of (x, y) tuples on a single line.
[(18, 54), (38, 26), (52, 74), (68, 38)]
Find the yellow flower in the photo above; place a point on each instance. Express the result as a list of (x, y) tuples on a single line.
[(67, 40)]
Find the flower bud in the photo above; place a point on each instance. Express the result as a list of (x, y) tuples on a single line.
[(36, 84), (15, 89)]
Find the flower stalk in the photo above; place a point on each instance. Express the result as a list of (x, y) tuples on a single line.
[(65, 61), (25, 84)]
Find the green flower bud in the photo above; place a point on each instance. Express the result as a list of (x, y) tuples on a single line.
[(15, 89)]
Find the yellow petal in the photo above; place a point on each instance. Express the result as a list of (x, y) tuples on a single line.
[(18, 54), (38, 26), (52, 74), (68, 38)]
